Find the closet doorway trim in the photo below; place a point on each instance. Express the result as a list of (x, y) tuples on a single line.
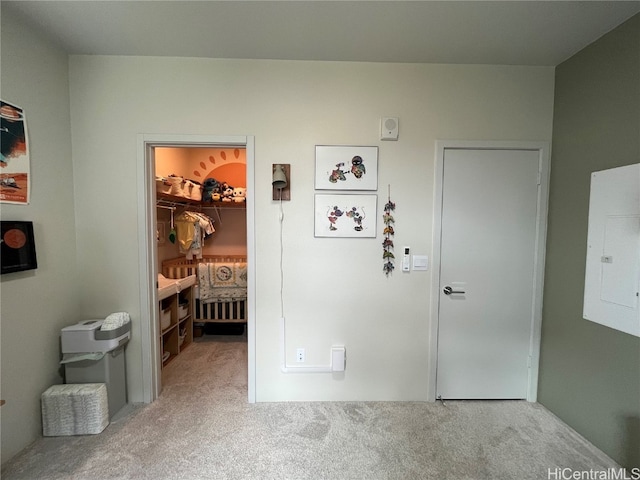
[(148, 251)]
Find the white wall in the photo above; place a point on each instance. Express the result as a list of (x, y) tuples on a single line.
[(335, 290), (37, 304)]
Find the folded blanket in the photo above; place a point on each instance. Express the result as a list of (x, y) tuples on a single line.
[(224, 294), (222, 274), (222, 281), (115, 320)]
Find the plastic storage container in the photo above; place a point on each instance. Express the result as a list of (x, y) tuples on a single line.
[(110, 370), (93, 355), (165, 318)]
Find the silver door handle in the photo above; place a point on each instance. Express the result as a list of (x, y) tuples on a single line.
[(448, 291)]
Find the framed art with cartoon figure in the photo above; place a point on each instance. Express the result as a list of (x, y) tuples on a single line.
[(345, 215), (346, 168)]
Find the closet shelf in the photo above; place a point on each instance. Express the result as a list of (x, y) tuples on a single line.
[(167, 200)]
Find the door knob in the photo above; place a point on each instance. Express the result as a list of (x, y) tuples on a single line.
[(448, 291)]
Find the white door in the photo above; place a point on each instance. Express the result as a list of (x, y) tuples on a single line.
[(487, 273)]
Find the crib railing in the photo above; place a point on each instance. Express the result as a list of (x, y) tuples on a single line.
[(222, 312), (181, 267), (218, 312)]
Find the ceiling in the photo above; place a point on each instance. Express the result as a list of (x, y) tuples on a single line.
[(464, 32)]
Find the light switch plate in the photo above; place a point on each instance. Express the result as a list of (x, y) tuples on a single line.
[(420, 262)]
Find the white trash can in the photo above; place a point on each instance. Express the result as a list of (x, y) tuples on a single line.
[(91, 355)]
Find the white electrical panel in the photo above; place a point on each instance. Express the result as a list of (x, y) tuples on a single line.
[(612, 278)]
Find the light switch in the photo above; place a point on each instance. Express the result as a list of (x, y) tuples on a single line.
[(420, 262)]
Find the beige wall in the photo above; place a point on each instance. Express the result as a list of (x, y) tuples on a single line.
[(37, 304), (334, 289)]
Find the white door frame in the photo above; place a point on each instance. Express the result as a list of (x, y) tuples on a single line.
[(541, 234), (147, 250)]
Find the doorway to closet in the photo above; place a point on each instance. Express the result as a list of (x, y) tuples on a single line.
[(173, 170), (202, 245)]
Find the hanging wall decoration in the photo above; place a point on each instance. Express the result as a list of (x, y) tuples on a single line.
[(387, 245)]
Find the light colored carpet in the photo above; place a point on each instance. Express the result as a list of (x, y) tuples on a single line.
[(203, 428)]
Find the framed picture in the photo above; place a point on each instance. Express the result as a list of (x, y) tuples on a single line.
[(345, 215), (346, 168), (17, 248), (162, 233)]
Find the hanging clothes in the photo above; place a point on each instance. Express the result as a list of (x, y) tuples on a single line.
[(206, 223), (192, 228), (185, 230)]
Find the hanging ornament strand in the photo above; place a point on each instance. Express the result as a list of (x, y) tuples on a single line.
[(387, 255)]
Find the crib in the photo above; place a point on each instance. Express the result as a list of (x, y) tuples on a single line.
[(234, 311)]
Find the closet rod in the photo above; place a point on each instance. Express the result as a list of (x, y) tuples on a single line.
[(168, 208), (219, 207)]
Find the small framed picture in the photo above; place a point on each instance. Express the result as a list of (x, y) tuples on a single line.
[(161, 233), (345, 215), (346, 168)]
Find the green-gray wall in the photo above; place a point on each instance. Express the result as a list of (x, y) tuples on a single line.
[(590, 374), (36, 304)]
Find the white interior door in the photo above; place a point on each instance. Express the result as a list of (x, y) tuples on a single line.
[(487, 272)]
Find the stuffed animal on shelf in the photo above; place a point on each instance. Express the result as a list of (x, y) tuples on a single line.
[(209, 187), (239, 194), (226, 192)]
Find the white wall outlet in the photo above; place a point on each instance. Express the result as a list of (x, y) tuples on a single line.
[(338, 358), (300, 355)]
